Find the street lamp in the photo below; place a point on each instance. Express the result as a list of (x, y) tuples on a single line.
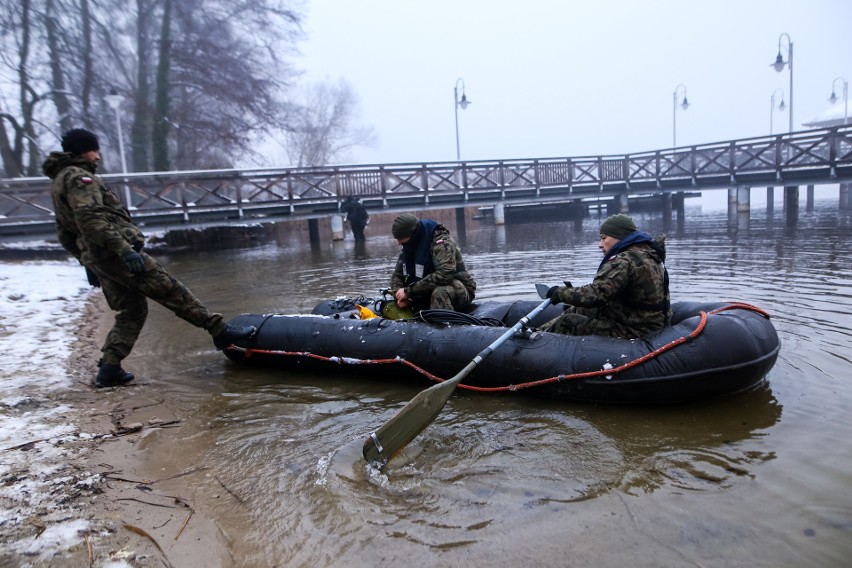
[(833, 98), (779, 66), (781, 106), (684, 105), (114, 101), (459, 103)]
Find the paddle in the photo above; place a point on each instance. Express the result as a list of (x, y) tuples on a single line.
[(383, 444)]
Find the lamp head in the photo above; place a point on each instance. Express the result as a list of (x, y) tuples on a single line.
[(833, 98), (113, 99), (782, 105), (464, 102), (685, 104), (779, 63)]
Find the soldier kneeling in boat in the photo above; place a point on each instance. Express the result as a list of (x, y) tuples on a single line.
[(430, 271)]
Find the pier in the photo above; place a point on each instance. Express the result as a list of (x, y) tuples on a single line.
[(185, 199)]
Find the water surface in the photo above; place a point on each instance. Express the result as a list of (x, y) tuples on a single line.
[(761, 479)]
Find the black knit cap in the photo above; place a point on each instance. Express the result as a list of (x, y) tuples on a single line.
[(79, 141), (618, 226)]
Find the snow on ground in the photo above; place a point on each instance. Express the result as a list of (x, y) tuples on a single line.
[(41, 303)]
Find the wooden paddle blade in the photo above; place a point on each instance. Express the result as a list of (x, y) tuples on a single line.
[(542, 290), (384, 443), (413, 418)]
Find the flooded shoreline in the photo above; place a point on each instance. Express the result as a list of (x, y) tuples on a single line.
[(494, 476)]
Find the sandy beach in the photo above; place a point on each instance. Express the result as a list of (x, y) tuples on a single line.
[(77, 486)]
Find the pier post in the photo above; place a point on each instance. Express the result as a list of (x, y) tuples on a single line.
[(499, 214), (313, 231), (461, 229), (791, 205), (743, 207), (770, 201), (623, 205), (843, 198), (337, 233), (809, 200), (732, 207)]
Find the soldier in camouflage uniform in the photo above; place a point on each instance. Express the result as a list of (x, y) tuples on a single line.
[(430, 271), (629, 296), (97, 230)]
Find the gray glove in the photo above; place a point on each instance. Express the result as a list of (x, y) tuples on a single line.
[(134, 262)]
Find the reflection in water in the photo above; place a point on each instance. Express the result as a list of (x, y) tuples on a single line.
[(699, 448), (505, 478)]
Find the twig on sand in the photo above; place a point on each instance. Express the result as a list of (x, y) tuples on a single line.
[(147, 502), (182, 474), (141, 532), (239, 499), (183, 526)]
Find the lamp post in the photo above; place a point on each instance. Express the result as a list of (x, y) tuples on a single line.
[(463, 102), (684, 105), (833, 98), (779, 66), (781, 106), (114, 101)]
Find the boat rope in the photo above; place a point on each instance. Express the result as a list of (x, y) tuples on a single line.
[(450, 317), (249, 352)]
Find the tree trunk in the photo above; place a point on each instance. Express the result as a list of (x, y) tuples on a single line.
[(60, 94), (160, 135), (140, 132), (88, 78)]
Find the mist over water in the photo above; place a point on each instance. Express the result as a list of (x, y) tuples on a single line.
[(760, 478)]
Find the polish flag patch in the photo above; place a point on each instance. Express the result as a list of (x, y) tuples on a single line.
[(86, 179)]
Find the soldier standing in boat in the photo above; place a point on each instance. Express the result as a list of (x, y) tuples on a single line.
[(629, 296), (430, 271), (94, 226)]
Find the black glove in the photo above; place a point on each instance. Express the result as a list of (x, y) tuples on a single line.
[(134, 262), (92, 278), (552, 295)]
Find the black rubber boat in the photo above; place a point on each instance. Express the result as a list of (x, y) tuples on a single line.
[(710, 350)]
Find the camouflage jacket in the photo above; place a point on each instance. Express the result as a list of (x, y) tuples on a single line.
[(630, 289), (447, 265), (91, 222)]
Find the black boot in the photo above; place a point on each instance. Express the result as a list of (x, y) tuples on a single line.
[(112, 375), (233, 333)]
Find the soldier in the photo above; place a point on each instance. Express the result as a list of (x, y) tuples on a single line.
[(629, 296), (430, 271), (97, 230), (357, 216)]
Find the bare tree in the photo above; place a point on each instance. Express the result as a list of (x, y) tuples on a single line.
[(322, 131), (18, 30), (202, 81)]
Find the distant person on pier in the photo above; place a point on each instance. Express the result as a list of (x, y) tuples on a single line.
[(430, 271), (357, 216), (629, 296), (94, 226)]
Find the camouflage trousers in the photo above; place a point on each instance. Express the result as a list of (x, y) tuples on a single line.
[(571, 323), (452, 297), (127, 293)]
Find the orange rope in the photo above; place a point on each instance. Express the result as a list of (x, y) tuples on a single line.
[(249, 352)]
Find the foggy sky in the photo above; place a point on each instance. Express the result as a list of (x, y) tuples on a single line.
[(555, 78), (572, 78)]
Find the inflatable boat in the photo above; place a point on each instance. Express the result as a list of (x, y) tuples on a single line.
[(710, 350)]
